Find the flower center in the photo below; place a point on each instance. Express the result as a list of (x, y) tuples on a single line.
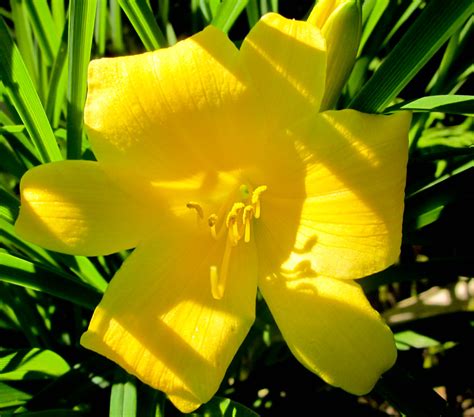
[(234, 226)]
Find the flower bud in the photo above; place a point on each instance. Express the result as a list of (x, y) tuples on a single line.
[(340, 24)]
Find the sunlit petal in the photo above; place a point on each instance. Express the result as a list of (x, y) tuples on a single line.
[(189, 103), (159, 319), (73, 207), (331, 329), (287, 62), (351, 217)]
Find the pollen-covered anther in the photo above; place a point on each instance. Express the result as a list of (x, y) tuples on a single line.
[(256, 199), (212, 221), (197, 207), (234, 222), (247, 218)]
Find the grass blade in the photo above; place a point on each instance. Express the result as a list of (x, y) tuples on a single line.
[(143, 21), (22, 92), (57, 83), (40, 278), (24, 38), (446, 104), (81, 29), (429, 32), (44, 28), (116, 30), (100, 31), (227, 14), (123, 398)]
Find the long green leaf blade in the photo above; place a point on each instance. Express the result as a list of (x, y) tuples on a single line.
[(454, 104), (123, 399), (81, 29), (44, 28), (227, 14), (37, 277), (429, 32), (22, 92), (142, 19)]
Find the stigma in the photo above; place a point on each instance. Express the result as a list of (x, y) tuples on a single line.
[(234, 226)]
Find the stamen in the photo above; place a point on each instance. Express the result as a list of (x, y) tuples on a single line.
[(256, 199), (211, 221), (197, 207), (247, 218), (215, 283), (232, 222), (219, 280)]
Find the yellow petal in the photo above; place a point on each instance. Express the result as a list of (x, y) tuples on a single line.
[(160, 322), (350, 219), (287, 61), (73, 207), (169, 114), (332, 330)]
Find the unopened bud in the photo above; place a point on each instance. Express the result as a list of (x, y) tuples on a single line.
[(340, 23)]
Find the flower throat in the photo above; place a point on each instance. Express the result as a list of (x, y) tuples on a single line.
[(236, 226)]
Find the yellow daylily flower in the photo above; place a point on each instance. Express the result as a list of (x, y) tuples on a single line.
[(215, 164)]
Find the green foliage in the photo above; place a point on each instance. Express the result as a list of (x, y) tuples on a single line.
[(413, 55)]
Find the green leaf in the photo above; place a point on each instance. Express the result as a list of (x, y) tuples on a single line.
[(446, 104), (52, 413), (24, 38), (31, 364), (427, 34), (19, 141), (22, 93), (372, 11), (227, 14), (100, 31), (81, 29), (10, 396), (7, 233), (223, 407), (38, 277), (8, 206), (252, 12), (57, 84), (142, 19), (44, 28), (9, 161), (424, 205), (416, 340), (123, 399), (116, 29)]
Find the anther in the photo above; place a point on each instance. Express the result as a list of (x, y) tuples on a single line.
[(212, 221), (233, 213), (247, 217), (197, 207), (256, 199)]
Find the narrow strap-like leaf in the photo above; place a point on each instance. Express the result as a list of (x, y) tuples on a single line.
[(22, 92), (123, 398), (81, 29), (454, 104), (227, 14), (428, 33), (44, 28), (37, 277), (142, 19)]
